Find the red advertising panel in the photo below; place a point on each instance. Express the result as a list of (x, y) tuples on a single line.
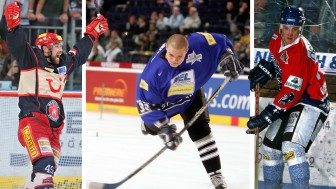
[(111, 87)]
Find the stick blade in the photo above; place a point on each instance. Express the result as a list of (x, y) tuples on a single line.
[(98, 185)]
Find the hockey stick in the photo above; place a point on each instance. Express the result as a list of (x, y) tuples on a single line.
[(97, 7), (197, 114), (256, 132)]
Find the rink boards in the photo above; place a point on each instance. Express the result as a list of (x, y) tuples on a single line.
[(114, 90)]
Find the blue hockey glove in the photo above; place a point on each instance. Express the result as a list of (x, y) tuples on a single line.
[(169, 136), (266, 117), (230, 65), (261, 74)]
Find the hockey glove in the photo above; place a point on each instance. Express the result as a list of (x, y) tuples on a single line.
[(169, 136), (97, 27), (12, 15), (230, 65), (266, 117), (261, 74)]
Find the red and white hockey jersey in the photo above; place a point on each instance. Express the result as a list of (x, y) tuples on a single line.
[(298, 73)]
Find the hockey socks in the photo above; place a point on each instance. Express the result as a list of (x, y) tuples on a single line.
[(273, 176), (273, 167), (208, 153), (210, 158), (42, 176), (298, 166)]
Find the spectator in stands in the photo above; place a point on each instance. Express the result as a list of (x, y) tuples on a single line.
[(243, 15), (153, 42), (144, 43), (245, 39), (31, 13), (153, 17), (75, 9), (165, 3), (130, 32), (114, 38), (114, 53), (5, 67), (175, 20), (97, 53), (143, 27), (4, 53), (13, 74), (152, 30), (192, 22), (52, 9), (105, 39), (162, 22), (231, 13), (131, 27)]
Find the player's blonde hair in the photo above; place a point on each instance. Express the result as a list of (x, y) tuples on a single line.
[(178, 41)]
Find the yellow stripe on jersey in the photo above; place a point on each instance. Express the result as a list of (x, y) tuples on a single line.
[(211, 40), (143, 85)]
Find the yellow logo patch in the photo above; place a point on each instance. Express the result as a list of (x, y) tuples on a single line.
[(143, 84), (266, 157), (181, 90), (29, 142), (289, 155), (44, 146), (211, 40)]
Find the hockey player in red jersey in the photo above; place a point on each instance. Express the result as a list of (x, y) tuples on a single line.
[(44, 71), (299, 109)]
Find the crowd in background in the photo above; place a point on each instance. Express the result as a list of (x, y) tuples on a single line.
[(136, 27)]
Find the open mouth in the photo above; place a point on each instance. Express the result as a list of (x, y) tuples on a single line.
[(58, 55)]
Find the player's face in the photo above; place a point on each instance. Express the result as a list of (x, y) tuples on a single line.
[(56, 52), (290, 33), (175, 57)]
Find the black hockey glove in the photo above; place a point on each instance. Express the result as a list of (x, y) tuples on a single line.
[(169, 136), (263, 120), (230, 65), (261, 74)]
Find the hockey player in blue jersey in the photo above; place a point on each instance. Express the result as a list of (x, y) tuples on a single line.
[(171, 84)]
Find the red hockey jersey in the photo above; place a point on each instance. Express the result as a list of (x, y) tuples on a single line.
[(298, 71)]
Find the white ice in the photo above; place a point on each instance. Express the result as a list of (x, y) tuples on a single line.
[(115, 147)]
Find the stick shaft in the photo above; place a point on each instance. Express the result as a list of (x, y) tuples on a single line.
[(97, 7), (197, 114)]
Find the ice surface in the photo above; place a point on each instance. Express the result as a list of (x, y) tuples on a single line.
[(115, 147)]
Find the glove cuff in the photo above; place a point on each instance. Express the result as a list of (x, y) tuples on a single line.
[(271, 113)]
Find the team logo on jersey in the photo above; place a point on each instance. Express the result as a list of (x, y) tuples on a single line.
[(182, 84), (62, 70), (323, 88), (294, 82), (193, 57), (52, 110), (275, 36), (287, 98), (284, 57)]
